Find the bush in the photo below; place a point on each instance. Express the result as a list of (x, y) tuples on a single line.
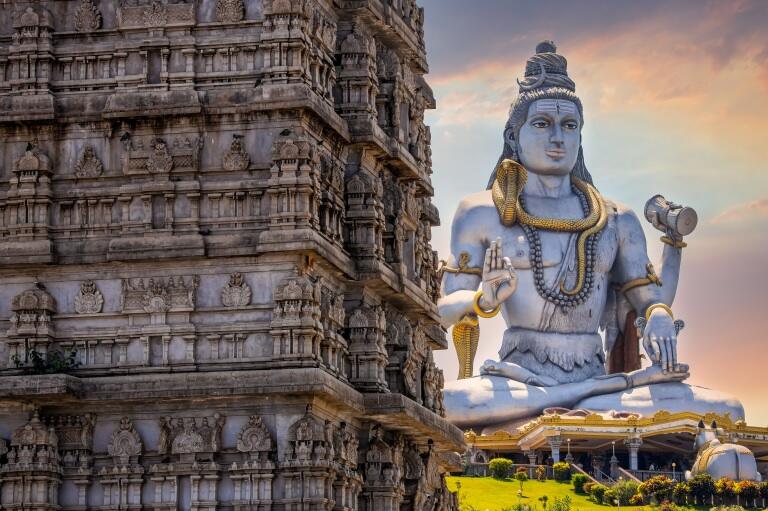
[(680, 492), (725, 488), (764, 490), (561, 504), (702, 487), (588, 487), (541, 473), (748, 491), (500, 468), (562, 471), (659, 488), (624, 491), (636, 500), (597, 492), (579, 480)]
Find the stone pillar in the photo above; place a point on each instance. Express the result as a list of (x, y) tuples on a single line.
[(532, 461), (614, 470), (633, 443), (554, 444)]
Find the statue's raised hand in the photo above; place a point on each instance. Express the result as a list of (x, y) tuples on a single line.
[(499, 277)]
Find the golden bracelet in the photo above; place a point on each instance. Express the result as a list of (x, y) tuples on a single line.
[(658, 306), (672, 243), (479, 310)]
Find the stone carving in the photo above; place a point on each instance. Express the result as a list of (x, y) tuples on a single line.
[(719, 459), (159, 294), (89, 164), (158, 156), (159, 159), (237, 292), (237, 157), (89, 299), (255, 439), (155, 13), (87, 17), (230, 11), (308, 440), (185, 436), (125, 444), (32, 163), (31, 312)]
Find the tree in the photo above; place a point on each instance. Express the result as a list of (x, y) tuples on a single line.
[(521, 477)]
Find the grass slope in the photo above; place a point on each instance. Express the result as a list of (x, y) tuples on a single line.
[(487, 493)]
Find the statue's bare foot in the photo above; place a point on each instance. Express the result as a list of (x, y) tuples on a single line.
[(517, 373), (655, 374)]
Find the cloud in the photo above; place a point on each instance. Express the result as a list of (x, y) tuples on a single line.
[(753, 211)]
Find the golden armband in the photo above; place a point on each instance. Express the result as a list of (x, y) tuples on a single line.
[(482, 312), (650, 278), (651, 308), (672, 243)]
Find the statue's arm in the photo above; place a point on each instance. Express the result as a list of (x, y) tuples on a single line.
[(632, 262), (660, 334), (458, 289)]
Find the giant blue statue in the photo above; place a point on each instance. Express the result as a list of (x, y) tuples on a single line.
[(562, 263)]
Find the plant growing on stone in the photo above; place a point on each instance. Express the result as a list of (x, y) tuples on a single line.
[(51, 362), (500, 468)]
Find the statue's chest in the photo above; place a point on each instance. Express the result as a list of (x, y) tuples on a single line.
[(558, 246)]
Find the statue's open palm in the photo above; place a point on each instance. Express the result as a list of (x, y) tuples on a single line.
[(499, 277)]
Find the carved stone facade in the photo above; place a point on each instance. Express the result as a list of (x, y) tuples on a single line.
[(217, 289)]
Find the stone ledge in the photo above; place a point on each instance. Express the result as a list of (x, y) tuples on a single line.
[(45, 386), (395, 411)]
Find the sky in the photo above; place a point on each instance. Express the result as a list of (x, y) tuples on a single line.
[(675, 98)]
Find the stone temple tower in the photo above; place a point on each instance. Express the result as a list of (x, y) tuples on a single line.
[(217, 289)]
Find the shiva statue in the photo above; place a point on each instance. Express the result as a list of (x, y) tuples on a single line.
[(562, 263)]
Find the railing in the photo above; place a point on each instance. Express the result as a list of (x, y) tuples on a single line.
[(627, 475), (644, 475), (482, 470), (578, 469)]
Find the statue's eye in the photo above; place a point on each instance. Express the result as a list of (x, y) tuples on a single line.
[(571, 125), (539, 123)]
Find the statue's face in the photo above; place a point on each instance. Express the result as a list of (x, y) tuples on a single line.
[(549, 139)]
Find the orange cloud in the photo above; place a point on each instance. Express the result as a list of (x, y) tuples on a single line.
[(756, 210)]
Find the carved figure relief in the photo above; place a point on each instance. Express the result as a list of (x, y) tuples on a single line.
[(254, 439), (190, 435), (160, 156), (33, 162), (87, 17), (155, 13), (236, 293), (125, 444), (159, 159), (89, 164), (32, 310), (230, 11), (237, 157), (89, 299), (159, 294)]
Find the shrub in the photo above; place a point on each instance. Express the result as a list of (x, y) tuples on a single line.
[(598, 492), (544, 499), (702, 487), (680, 492), (500, 468), (667, 506), (609, 497), (579, 480), (588, 487), (636, 500), (562, 471), (541, 473), (725, 488), (748, 491), (51, 362), (727, 508), (764, 490), (659, 488), (624, 491), (561, 504)]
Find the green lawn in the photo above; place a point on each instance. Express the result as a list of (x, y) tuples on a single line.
[(486, 493)]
